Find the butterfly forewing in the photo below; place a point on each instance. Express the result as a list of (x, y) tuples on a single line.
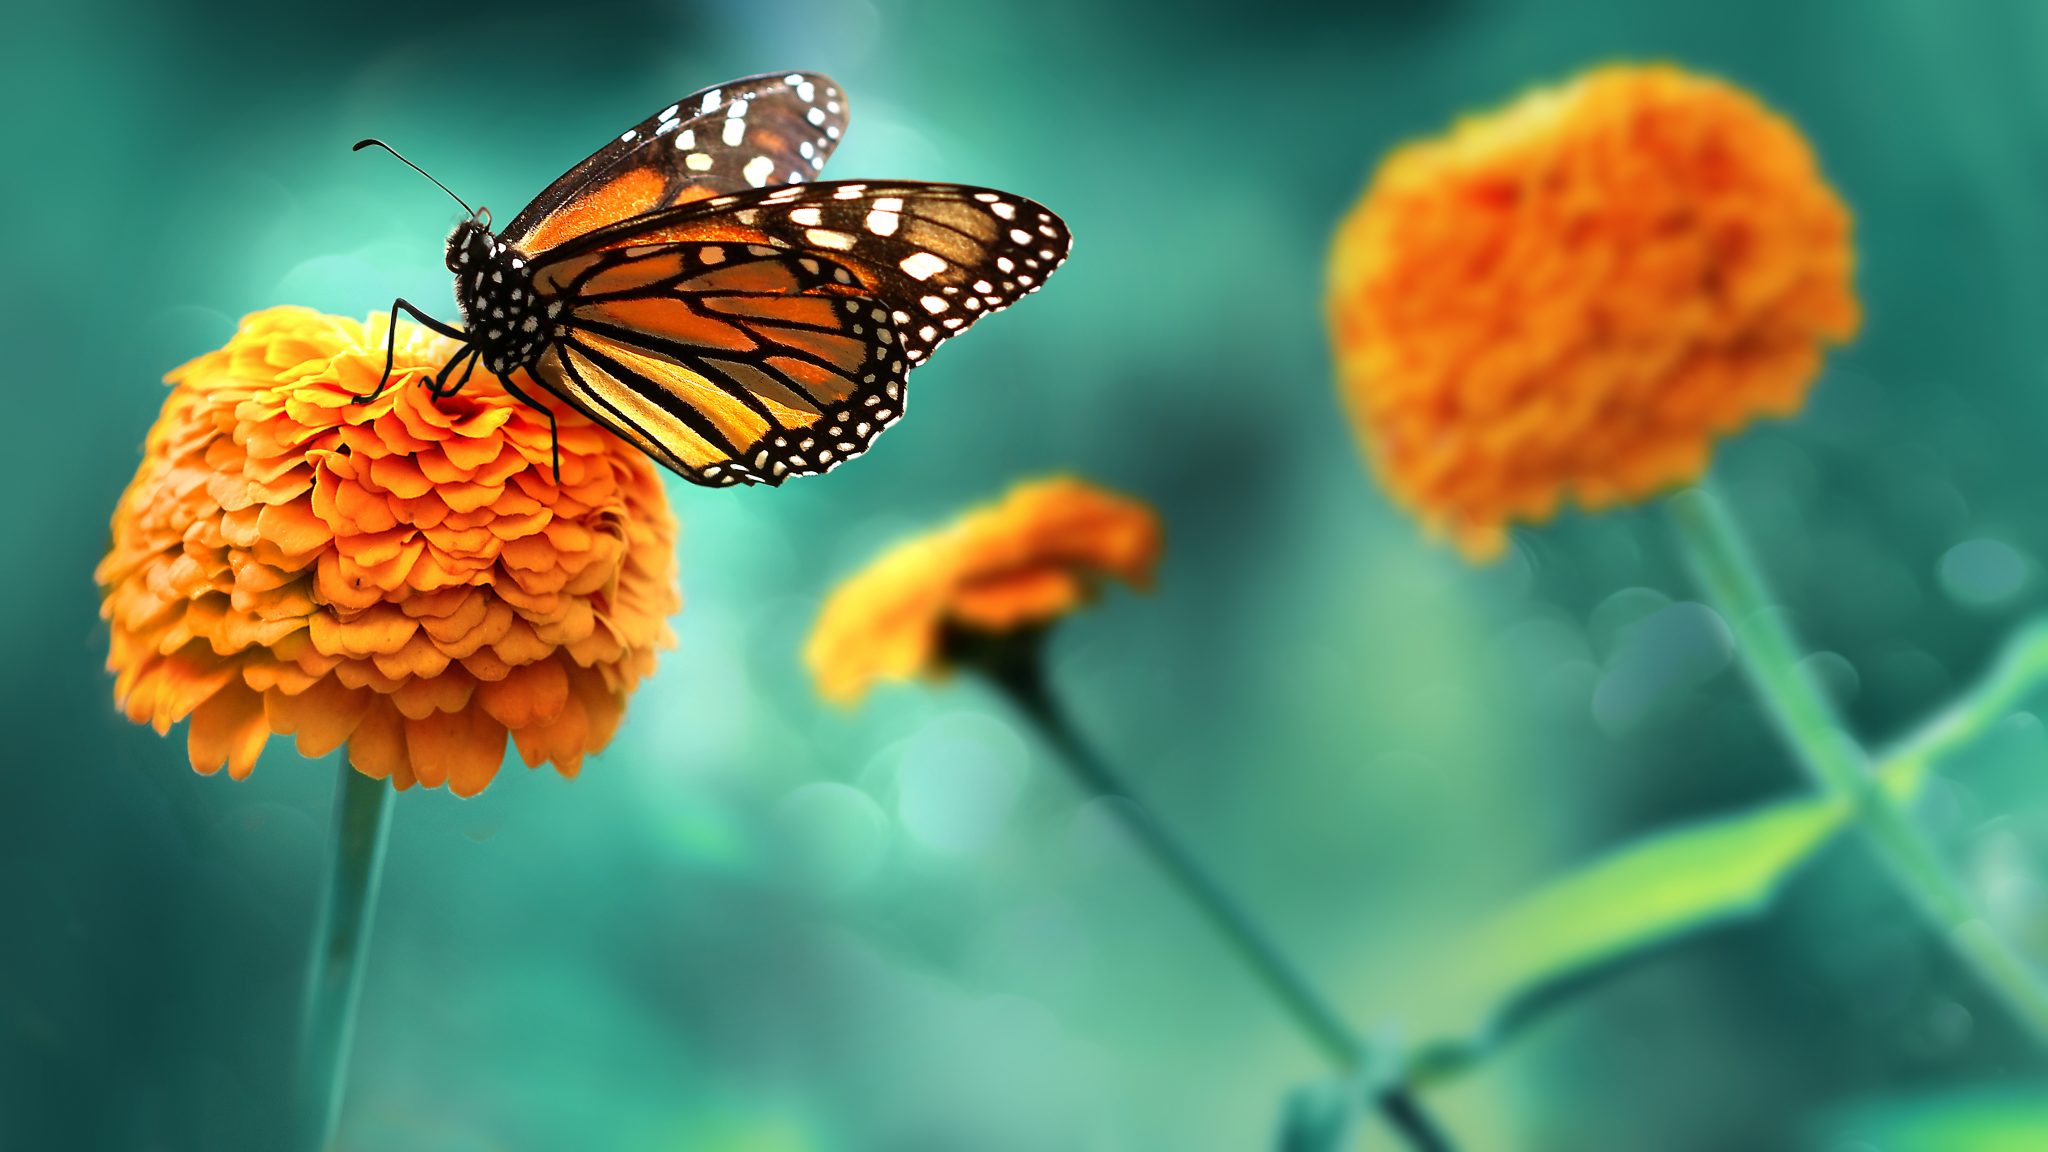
[(756, 132)]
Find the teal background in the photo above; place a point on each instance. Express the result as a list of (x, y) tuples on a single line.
[(758, 923)]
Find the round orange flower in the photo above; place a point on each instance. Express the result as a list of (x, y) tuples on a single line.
[(404, 576), (1023, 562), (1574, 296)]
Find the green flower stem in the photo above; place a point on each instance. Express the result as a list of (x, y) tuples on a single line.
[(1838, 764), (334, 981), (1014, 666), (2021, 670)]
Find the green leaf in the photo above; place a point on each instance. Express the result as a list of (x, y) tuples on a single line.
[(2019, 674), (1983, 1120), (1627, 905), (1641, 897)]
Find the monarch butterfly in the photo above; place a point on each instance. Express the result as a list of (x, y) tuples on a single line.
[(686, 289)]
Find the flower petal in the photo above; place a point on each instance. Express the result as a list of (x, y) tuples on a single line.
[(229, 727), (324, 714), (464, 748), (377, 748), (528, 695)]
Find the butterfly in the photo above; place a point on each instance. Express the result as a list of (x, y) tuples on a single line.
[(686, 288)]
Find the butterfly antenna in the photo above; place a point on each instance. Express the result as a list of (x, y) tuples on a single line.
[(362, 144)]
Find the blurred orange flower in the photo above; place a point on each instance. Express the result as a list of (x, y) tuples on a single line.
[(405, 576), (1031, 558), (1573, 296)]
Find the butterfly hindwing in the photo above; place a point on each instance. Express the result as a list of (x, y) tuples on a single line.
[(727, 362), (756, 132)]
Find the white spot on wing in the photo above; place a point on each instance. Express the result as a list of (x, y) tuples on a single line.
[(735, 131), (758, 170), (922, 265), (827, 238), (808, 217), (883, 223), (698, 161)]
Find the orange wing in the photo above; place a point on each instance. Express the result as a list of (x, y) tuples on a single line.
[(749, 133)]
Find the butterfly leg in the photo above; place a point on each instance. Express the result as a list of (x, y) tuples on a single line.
[(391, 341), (554, 430), (475, 358), (441, 389)]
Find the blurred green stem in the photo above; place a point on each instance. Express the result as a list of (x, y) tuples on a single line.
[(1837, 763), (334, 981), (2019, 672), (1013, 663)]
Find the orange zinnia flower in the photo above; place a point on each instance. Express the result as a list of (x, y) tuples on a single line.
[(404, 576), (1020, 563), (1574, 296)]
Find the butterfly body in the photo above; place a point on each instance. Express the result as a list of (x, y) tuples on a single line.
[(503, 318), (686, 289)]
